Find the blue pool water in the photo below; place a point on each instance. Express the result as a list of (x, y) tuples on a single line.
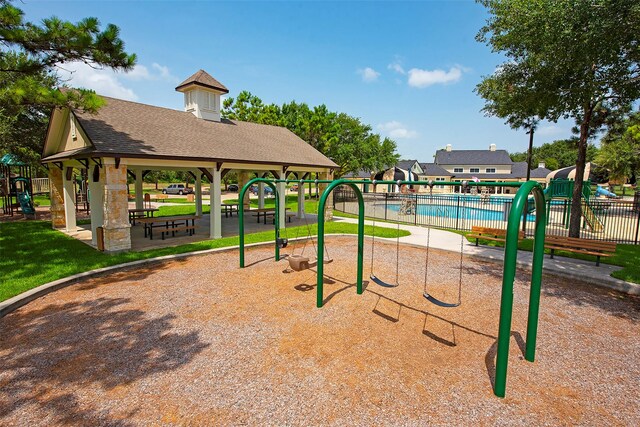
[(464, 212)]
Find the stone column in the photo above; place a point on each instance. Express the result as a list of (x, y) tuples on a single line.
[(215, 202), (69, 201), (138, 188), (328, 212), (300, 200), (243, 178), (117, 236), (96, 204), (198, 192), (56, 193)]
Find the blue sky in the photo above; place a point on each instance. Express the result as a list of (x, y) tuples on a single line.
[(406, 69)]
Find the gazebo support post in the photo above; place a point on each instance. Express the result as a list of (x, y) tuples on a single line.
[(198, 192), (69, 200), (138, 188), (261, 195), (56, 194), (282, 196), (300, 200), (215, 204), (96, 204)]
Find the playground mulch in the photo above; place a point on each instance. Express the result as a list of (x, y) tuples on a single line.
[(202, 342)]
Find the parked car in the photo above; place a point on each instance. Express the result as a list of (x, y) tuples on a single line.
[(232, 187), (268, 191), (177, 189)]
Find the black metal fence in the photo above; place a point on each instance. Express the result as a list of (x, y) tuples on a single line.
[(612, 220)]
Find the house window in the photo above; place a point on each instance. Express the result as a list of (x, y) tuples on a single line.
[(474, 170), (490, 170), (440, 186), (458, 170)]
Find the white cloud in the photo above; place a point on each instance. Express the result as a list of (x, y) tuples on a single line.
[(159, 72), (397, 67), (396, 130), (368, 74), (104, 82), (139, 72), (164, 72), (424, 78), (112, 83)]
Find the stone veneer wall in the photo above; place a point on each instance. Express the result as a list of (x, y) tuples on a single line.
[(57, 197), (117, 236)]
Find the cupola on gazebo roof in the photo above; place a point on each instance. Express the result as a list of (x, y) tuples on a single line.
[(203, 79)]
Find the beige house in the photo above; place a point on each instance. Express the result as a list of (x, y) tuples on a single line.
[(486, 165), (131, 138)]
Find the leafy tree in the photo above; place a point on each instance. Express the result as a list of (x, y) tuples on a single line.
[(620, 149), (571, 57), (30, 85), (558, 154), (345, 139)]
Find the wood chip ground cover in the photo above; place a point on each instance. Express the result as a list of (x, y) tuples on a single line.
[(202, 342)]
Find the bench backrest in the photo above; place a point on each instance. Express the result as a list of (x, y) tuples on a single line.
[(498, 232), (575, 242)]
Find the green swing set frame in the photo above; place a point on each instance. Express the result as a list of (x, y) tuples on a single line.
[(520, 203)]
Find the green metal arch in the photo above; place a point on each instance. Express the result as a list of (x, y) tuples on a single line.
[(320, 266), (270, 183), (520, 202)]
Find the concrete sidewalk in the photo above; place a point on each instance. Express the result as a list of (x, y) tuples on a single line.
[(570, 268)]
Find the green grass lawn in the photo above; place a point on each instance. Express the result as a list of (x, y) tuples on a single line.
[(34, 254), (626, 256)]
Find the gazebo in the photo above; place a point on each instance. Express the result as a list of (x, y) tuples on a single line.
[(129, 138)]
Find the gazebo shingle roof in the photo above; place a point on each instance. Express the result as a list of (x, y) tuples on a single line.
[(129, 129)]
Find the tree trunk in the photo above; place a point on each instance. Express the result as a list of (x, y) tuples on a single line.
[(576, 202), (530, 152)]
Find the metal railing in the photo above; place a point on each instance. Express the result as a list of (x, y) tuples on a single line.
[(610, 219)]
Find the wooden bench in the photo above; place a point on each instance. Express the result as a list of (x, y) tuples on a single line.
[(159, 197), (495, 234), (599, 248)]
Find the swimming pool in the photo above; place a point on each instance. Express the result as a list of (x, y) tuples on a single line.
[(462, 212)]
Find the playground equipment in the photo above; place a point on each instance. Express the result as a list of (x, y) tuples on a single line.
[(299, 262), (509, 266), (603, 192), (563, 189), (372, 275), (425, 292), (15, 186)]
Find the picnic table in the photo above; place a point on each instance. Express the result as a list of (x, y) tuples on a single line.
[(265, 212), (230, 208), (140, 213), (169, 224)]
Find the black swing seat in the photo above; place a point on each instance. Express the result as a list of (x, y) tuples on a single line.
[(382, 283), (438, 302)]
